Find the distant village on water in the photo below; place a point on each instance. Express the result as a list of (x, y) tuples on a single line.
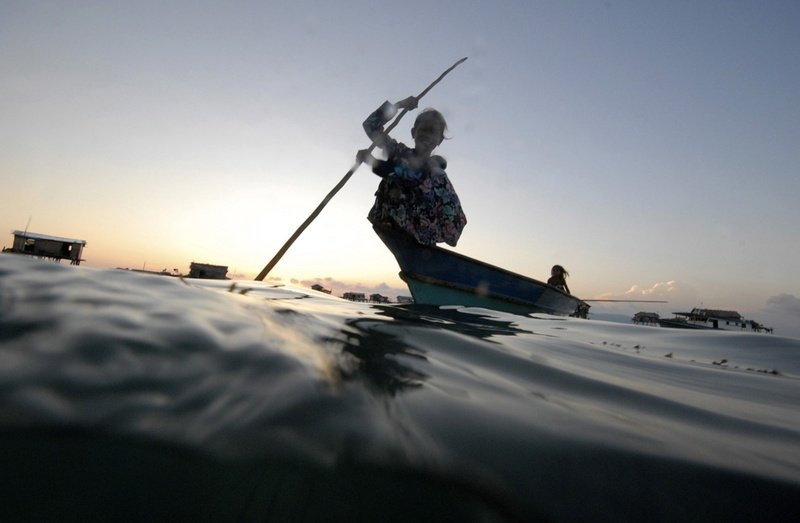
[(57, 248)]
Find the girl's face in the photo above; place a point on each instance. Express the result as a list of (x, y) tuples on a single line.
[(428, 134)]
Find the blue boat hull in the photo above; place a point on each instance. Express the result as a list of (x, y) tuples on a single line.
[(437, 276)]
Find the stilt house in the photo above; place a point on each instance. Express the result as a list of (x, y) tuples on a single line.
[(50, 247), (206, 271)]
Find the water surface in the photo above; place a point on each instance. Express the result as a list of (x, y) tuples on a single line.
[(131, 396)]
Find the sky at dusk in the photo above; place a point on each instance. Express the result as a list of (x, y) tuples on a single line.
[(652, 148)]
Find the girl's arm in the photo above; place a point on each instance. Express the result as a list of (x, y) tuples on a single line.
[(364, 156), (380, 167), (374, 123)]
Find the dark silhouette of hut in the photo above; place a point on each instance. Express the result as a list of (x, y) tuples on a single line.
[(354, 296), (377, 298), (206, 271), (699, 318), (50, 247), (647, 318)]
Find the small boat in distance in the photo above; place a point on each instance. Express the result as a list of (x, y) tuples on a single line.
[(437, 276)]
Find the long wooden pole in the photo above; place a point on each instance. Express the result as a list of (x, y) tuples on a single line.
[(632, 301), (341, 183)]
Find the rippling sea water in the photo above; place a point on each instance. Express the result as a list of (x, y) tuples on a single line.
[(126, 396)]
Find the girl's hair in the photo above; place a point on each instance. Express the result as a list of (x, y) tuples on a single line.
[(432, 114), (560, 270)]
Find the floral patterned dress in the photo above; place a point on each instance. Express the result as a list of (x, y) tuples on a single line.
[(418, 200)]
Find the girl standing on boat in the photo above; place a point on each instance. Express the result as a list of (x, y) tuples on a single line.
[(415, 194)]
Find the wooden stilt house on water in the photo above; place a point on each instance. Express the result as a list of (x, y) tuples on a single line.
[(46, 246), (207, 271)]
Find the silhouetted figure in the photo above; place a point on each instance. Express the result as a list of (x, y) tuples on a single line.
[(558, 278), (415, 194)]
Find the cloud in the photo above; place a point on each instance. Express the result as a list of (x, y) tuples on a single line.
[(657, 289), (666, 290), (785, 303), (339, 287)]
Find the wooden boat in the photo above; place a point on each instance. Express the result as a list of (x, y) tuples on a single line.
[(437, 276)]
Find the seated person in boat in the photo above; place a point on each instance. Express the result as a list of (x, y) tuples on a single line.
[(415, 195), (558, 278)]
